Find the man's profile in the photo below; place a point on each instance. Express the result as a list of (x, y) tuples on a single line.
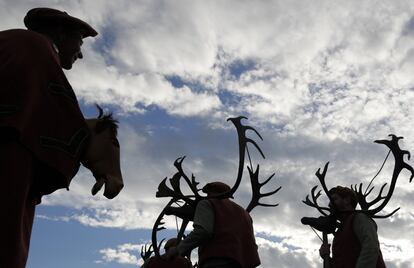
[(43, 134)]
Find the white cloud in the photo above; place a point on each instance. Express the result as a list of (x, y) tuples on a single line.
[(123, 254), (326, 79)]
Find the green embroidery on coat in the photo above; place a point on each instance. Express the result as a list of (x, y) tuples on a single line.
[(71, 147), (8, 109), (59, 89)]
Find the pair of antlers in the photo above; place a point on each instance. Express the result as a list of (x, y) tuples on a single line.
[(380, 201), (186, 211)]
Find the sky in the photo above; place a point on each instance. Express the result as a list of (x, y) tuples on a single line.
[(320, 80)]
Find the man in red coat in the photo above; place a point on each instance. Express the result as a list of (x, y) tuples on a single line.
[(42, 130), (164, 262), (223, 232), (355, 243)]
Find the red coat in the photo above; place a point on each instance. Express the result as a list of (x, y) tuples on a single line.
[(346, 247), (233, 235), (38, 105)]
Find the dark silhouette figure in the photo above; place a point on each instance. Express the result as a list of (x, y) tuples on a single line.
[(223, 231), (43, 134), (355, 241), (163, 261)]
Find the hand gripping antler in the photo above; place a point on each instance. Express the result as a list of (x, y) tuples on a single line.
[(399, 165)]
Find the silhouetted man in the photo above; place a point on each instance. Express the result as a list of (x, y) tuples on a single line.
[(223, 233), (41, 125), (355, 243), (164, 262)]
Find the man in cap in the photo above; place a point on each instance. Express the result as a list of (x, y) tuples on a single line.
[(42, 130), (164, 262), (355, 243), (223, 232)]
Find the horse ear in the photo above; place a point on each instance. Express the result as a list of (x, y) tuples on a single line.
[(100, 110)]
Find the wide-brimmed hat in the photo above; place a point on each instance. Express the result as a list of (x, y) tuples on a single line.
[(43, 18)]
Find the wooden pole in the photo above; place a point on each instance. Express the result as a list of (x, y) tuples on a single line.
[(326, 261)]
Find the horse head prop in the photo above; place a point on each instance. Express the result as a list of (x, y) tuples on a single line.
[(102, 154), (183, 206)]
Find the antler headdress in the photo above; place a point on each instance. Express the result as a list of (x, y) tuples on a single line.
[(187, 203)]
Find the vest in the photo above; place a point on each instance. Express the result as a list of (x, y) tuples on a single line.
[(178, 262), (346, 247), (233, 235), (39, 107)]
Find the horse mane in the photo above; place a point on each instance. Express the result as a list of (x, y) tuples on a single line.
[(106, 121)]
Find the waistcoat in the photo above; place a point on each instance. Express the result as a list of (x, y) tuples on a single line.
[(233, 235), (346, 247)]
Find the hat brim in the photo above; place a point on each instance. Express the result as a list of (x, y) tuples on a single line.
[(43, 18)]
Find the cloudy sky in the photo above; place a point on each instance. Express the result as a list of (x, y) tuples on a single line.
[(320, 80)]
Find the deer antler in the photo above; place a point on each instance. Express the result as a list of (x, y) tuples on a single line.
[(256, 187), (314, 202), (158, 226), (243, 141), (186, 212), (399, 165), (146, 252)]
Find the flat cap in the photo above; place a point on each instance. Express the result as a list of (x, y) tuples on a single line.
[(216, 188), (43, 18)]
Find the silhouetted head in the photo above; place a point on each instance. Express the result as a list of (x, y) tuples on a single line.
[(344, 198), (215, 188), (65, 31), (173, 242)]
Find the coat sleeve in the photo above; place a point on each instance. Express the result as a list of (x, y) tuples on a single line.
[(366, 232), (203, 228)]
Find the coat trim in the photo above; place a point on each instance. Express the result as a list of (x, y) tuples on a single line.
[(59, 89), (8, 109), (71, 147)]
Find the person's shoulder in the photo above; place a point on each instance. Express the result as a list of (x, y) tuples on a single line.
[(362, 218), (29, 40), (23, 34), (204, 203)]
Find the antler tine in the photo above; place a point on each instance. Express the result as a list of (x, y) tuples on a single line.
[(321, 176), (399, 165), (255, 145), (256, 187), (165, 191), (191, 183), (157, 227), (146, 253), (387, 215), (314, 202), (254, 130), (379, 196), (370, 190), (160, 243)]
